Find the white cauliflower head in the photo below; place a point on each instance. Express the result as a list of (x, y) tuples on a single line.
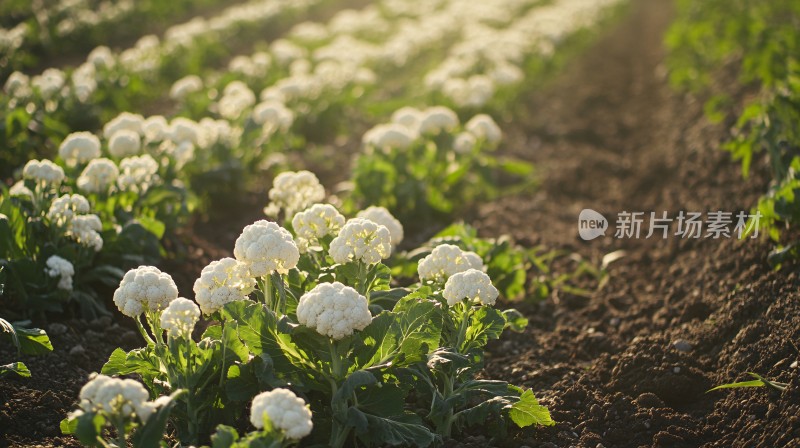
[(437, 119), (137, 173), (43, 172), (155, 128), (273, 115), (473, 285), (334, 310), (286, 411), (236, 97), (484, 127), (49, 82), (185, 87), (380, 215), (123, 121), (79, 148), (317, 221), (266, 247), (19, 189), (293, 192), (446, 260), (65, 208), (144, 289), (180, 318), (183, 129), (221, 282), (61, 268), (124, 143), (410, 117), (98, 176), (361, 240), (70, 213), (117, 397), (389, 136), (464, 143), (85, 230)]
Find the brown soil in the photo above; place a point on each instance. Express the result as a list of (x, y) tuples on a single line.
[(609, 134)]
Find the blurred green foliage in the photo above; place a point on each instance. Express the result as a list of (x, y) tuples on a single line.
[(760, 43)]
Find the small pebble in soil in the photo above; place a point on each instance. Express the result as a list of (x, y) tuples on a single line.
[(92, 335), (682, 345), (131, 339), (648, 400), (676, 370), (101, 323), (77, 350), (56, 329), (614, 321)]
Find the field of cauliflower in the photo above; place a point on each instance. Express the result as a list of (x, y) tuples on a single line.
[(354, 223)]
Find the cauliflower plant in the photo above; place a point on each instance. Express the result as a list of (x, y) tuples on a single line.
[(464, 143), (361, 240), (182, 129), (410, 117), (484, 127), (155, 128), (144, 289), (180, 318), (65, 208), (124, 143), (70, 213), (221, 282), (85, 230), (381, 216), (334, 310), (446, 260), (473, 285), (126, 121), (117, 398), (389, 136), (437, 119), (43, 172), (61, 268), (317, 221), (79, 148), (266, 247), (286, 411), (293, 192), (185, 86), (273, 115), (98, 176), (137, 173)]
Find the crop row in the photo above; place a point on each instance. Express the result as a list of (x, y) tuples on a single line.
[(309, 308), (758, 43)]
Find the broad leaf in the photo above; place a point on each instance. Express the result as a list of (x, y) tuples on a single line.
[(15, 367), (527, 411)]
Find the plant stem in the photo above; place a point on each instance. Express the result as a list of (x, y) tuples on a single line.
[(266, 289), (339, 432), (447, 424), (190, 399), (142, 330), (362, 286), (462, 330), (224, 349), (340, 438), (120, 424), (336, 362)]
